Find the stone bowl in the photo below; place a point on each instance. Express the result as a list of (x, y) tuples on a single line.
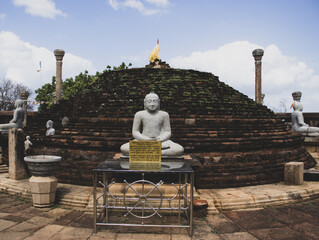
[(42, 165)]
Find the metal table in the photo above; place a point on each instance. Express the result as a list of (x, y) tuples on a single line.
[(142, 199)]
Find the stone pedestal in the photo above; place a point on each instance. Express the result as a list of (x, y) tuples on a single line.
[(43, 190), (294, 173), (312, 146), (17, 166)]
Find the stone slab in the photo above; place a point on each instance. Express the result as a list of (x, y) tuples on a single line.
[(40, 221), (252, 220), (69, 217), (103, 234), (68, 233), (2, 215), (4, 224), (278, 234), (24, 227), (238, 236), (46, 233), (222, 224), (14, 235), (309, 229)]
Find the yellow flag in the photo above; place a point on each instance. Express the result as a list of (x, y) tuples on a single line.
[(154, 53)]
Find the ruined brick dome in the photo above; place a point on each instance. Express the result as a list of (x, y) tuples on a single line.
[(237, 141)]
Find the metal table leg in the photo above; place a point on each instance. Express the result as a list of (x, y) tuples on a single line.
[(94, 200), (191, 206)]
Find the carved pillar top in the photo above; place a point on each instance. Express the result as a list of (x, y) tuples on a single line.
[(258, 54), (59, 54), (296, 95)]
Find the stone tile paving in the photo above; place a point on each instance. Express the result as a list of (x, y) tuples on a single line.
[(20, 220)]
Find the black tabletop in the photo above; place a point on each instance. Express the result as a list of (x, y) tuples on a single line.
[(125, 166)]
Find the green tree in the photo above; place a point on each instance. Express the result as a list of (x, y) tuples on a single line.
[(81, 82), (121, 67), (45, 93), (70, 87)]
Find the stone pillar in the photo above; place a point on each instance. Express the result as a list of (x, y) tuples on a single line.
[(17, 166), (24, 96), (59, 54), (43, 190), (258, 53), (294, 173)]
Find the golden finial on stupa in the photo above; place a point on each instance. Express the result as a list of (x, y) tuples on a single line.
[(154, 53)]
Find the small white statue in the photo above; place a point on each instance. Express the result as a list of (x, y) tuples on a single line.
[(50, 130), (152, 124), (17, 120), (27, 143), (65, 121)]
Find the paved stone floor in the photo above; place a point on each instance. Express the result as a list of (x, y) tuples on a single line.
[(20, 220)]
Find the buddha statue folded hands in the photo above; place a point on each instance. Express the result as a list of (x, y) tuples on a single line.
[(154, 124)]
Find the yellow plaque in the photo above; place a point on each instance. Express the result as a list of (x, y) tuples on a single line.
[(145, 151), (149, 166)]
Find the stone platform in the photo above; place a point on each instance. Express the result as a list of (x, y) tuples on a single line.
[(241, 198), (20, 220)]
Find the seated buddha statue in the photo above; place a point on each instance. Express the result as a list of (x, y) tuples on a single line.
[(152, 124), (298, 124), (17, 120)]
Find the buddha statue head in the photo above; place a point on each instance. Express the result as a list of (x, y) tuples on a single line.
[(297, 106), (152, 102), (18, 103)]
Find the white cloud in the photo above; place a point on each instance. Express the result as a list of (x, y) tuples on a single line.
[(19, 61), (2, 17), (281, 75), (154, 6), (159, 3), (42, 8)]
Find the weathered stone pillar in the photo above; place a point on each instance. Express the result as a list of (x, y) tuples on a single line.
[(59, 54), (24, 96), (17, 166), (258, 53), (294, 173)]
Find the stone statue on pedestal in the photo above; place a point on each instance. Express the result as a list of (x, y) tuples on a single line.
[(154, 124), (297, 119), (27, 144), (50, 130), (17, 120)]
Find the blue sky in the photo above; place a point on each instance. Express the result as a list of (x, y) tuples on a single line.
[(207, 35)]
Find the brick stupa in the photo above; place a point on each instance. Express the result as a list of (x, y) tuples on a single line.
[(237, 141)]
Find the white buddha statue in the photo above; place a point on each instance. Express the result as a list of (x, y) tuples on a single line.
[(298, 124), (152, 124), (17, 120)]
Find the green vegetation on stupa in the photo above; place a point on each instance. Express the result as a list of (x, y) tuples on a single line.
[(120, 93)]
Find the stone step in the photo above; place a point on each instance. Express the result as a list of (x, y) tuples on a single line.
[(4, 168)]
